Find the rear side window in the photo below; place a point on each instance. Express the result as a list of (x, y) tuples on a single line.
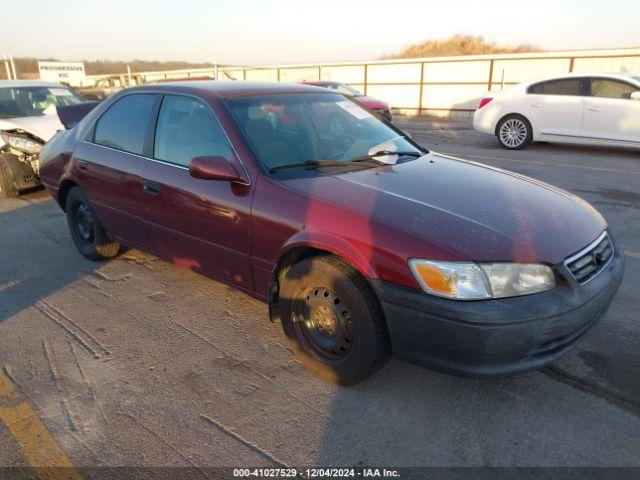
[(567, 86), (605, 88), (125, 124), (188, 128)]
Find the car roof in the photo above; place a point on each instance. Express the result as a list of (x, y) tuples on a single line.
[(28, 83), (230, 89), (320, 82), (614, 76)]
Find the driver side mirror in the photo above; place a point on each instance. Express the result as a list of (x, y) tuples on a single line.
[(635, 95), (213, 168)]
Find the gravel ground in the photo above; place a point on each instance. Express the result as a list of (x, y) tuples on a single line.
[(136, 362)]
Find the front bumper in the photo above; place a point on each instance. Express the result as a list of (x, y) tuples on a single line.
[(489, 338), (23, 173)]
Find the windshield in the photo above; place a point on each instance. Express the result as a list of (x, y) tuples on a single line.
[(296, 128), (32, 101)]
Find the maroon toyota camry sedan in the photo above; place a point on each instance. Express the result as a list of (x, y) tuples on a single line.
[(363, 244)]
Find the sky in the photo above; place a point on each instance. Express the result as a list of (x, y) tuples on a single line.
[(253, 32)]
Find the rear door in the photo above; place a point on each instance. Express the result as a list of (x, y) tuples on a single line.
[(200, 224), (556, 106), (610, 114), (111, 161)]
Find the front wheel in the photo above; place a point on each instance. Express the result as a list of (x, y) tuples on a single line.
[(86, 230), (332, 320), (514, 132)]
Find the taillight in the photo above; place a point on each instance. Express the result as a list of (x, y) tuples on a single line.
[(484, 101)]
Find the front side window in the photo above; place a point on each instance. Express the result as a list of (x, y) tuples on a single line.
[(567, 86), (187, 128), (125, 124), (33, 101), (606, 88), (291, 129)]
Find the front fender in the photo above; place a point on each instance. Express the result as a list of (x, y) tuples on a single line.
[(331, 243)]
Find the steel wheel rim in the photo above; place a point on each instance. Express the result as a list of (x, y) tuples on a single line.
[(513, 132), (324, 324), (84, 223)]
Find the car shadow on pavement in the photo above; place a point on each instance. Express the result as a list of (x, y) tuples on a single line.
[(37, 256), (413, 417)]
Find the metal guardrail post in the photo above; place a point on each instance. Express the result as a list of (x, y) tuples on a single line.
[(366, 74), (421, 88), (490, 75)]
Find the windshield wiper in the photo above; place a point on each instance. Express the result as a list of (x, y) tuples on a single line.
[(383, 153), (322, 163)]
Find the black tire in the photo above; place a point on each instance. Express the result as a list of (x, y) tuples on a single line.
[(86, 230), (514, 132), (332, 320), (7, 188)]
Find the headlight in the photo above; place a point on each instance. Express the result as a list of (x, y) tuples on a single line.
[(22, 143), (471, 281)]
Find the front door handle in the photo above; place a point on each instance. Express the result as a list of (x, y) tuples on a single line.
[(536, 105), (593, 108), (152, 188)]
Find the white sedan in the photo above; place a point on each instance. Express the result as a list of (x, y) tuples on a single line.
[(594, 109), (28, 119)]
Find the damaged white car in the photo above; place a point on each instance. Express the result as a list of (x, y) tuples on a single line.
[(28, 119)]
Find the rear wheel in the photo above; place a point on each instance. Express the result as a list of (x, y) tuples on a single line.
[(332, 320), (86, 230), (7, 188), (514, 132)]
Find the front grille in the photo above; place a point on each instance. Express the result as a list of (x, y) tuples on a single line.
[(587, 263)]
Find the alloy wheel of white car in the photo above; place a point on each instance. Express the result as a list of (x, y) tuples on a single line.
[(514, 133)]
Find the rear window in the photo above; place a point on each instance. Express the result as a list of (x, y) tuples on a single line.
[(125, 124), (567, 86)]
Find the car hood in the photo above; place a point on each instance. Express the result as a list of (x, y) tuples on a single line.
[(372, 103), (483, 213), (42, 126)]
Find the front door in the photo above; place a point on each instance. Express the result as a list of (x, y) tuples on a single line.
[(610, 114), (201, 224)]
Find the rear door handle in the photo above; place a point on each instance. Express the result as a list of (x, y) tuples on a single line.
[(536, 105), (152, 188), (593, 108)]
